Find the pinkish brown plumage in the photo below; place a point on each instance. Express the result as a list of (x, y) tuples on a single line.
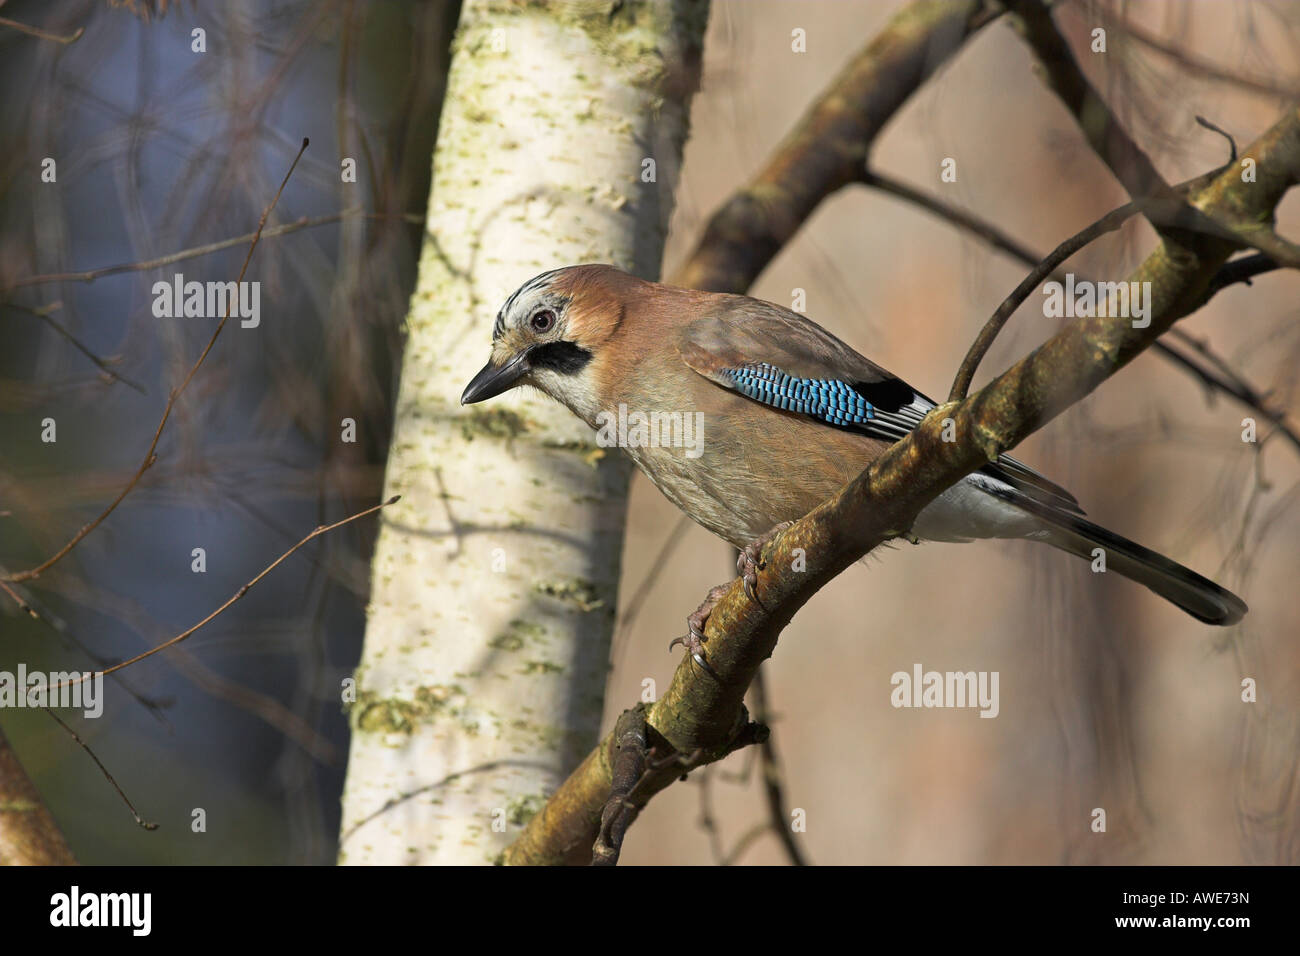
[(789, 414)]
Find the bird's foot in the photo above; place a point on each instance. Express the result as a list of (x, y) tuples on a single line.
[(751, 561), (694, 639)]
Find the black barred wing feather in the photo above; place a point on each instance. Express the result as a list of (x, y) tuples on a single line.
[(785, 361), (828, 400)]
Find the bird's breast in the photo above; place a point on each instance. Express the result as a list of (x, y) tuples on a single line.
[(733, 466)]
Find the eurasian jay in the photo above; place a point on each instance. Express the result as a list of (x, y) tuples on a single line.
[(790, 415)]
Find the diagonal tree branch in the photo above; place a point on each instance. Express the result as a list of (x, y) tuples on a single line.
[(1049, 264), (1160, 203), (705, 718), (1221, 377), (1104, 133), (1163, 206), (745, 234), (828, 148)]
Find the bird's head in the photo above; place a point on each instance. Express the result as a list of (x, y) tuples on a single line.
[(548, 333)]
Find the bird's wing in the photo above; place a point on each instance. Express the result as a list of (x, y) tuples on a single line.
[(781, 359)]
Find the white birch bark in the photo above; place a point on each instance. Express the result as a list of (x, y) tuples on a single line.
[(495, 578)]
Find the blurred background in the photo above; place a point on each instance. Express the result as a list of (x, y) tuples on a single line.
[(1109, 697)]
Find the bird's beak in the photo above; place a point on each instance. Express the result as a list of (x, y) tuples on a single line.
[(492, 380)]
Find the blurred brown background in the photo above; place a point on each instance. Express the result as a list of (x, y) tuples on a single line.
[(1110, 697)]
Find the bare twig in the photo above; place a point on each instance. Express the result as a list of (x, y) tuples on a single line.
[(154, 706), (1125, 159), (265, 707), (72, 37), (18, 599), (90, 275), (44, 315), (1282, 251), (323, 529), (944, 210), (747, 839), (102, 769), (773, 779), (1104, 133), (721, 855), (1107, 223), (632, 609), (1226, 379), (1260, 237), (829, 146), (1232, 143), (180, 637), (1240, 270)]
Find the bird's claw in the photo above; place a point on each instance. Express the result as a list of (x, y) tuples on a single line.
[(747, 565), (693, 640), (694, 644), (750, 562)]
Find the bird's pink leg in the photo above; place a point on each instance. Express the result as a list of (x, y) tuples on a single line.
[(747, 566), (751, 562), (694, 639)]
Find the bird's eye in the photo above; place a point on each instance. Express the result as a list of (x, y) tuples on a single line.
[(542, 321)]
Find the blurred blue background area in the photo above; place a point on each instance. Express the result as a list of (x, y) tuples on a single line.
[(160, 149)]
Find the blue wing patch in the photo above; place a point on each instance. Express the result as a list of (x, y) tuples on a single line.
[(828, 400)]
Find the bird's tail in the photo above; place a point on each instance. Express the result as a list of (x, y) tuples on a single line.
[(1198, 596)]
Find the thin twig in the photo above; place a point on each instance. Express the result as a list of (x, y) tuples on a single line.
[(18, 599), (154, 706), (102, 769), (1107, 223), (773, 786), (1242, 270), (1239, 270), (304, 222), (829, 144), (747, 839), (707, 821), (44, 316), (633, 608), (971, 223), (1121, 154), (1282, 251), (1164, 210), (41, 34), (1099, 126), (262, 706), (1232, 143), (149, 456), (323, 529)]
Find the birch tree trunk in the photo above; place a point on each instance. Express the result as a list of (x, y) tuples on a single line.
[(494, 580)]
